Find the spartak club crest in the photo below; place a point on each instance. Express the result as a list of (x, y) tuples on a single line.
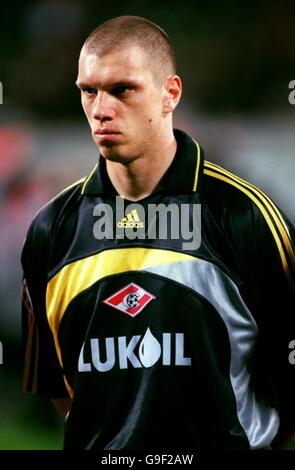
[(131, 299)]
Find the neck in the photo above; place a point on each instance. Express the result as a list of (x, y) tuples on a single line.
[(140, 178)]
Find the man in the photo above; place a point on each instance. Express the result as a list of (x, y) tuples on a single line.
[(151, 341)]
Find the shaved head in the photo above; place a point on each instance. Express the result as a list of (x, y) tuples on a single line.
[(126, 31)]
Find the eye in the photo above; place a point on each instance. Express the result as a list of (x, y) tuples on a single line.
[(88, 91), (121, 90)]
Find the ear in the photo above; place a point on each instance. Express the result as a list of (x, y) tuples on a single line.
[(172, 93)]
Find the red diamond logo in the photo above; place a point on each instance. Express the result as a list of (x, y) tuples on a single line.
[(130, 299)]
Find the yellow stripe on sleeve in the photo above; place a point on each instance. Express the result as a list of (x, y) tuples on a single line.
[(276, 227)]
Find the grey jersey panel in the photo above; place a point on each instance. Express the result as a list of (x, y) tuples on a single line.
[(259, 421)]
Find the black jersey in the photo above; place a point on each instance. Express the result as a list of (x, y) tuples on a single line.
[(162, 343)]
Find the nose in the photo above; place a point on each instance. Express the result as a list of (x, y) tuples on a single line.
[(102, 107)]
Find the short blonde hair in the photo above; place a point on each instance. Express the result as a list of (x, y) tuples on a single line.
[(126, 31)]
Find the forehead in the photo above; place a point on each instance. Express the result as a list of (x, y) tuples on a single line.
[(121, 64)]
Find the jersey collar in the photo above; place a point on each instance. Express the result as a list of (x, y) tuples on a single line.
[(183, 175)]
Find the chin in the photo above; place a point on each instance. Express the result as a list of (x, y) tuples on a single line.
[(113, 155)]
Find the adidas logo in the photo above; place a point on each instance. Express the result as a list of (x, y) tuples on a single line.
[(130, 221)]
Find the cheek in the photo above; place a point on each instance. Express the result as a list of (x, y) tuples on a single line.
[(86, 110), (154, 110), (84, 106)]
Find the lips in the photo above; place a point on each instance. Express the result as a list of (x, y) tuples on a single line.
[(102, 132), (106, 136)]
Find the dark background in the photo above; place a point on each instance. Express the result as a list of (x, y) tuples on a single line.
[(236, 60)]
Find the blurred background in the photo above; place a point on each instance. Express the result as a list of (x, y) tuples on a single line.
[(236, 59)]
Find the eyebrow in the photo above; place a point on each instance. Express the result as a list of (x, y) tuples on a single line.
[(81, 84), (131, 82)]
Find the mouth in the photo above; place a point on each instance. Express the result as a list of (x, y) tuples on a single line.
[(103, 134)]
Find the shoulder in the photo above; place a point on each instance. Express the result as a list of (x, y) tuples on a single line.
[(247, 214), (226, 192), (235, 203), (221, 185), (47, 218)]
